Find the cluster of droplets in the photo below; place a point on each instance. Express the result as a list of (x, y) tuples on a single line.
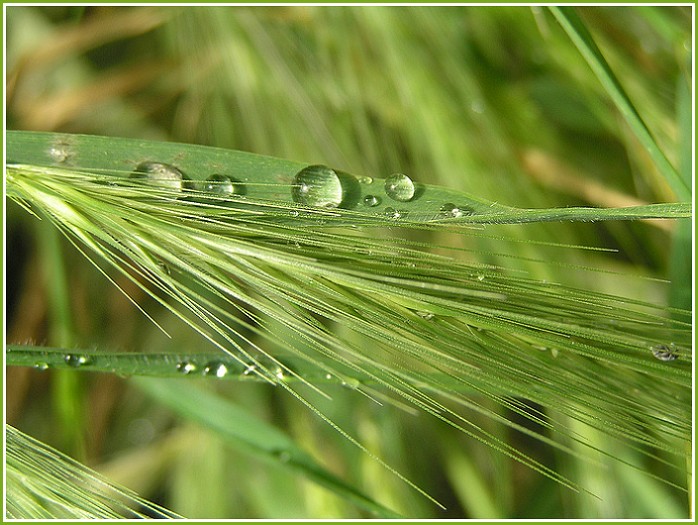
[(76, 360), (213, 368), (317, 186), (323, 187), (168, 177)]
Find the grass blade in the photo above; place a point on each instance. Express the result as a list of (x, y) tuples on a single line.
[(260, 276), (235, 424), (581, 37)]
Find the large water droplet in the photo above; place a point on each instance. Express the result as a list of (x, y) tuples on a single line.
[(186, 367), (317, 186), (216, 368), (76, 360), (41, 365), (161, 175), (219, 185), (399, 187), (371, 200), (664, 352)]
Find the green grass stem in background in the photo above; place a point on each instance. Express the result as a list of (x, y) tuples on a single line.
[(347, 255)]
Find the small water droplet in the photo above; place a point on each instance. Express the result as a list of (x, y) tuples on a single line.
[(249, 369), (554, 352), (480, 277), (392, 213), (279, 374), (41, 365), (328, 376), (371, 200), (294, 213), (665, 352), (76, 360), (365, 180), (425, 315), (352, 383), (399, 187), (161, 175), (61, 151), (186, 367), (317, 186), (450, 210), (219, 185), (216, 368)]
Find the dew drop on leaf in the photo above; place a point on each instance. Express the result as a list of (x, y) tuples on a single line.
[(76, 360), (216, 368), (161, 175), (317, 186), (665, 352), (371, 200), (41, 365), (392, 213), (186, 367), (365, 180), (219, 185), (449, 210), (399, 187)]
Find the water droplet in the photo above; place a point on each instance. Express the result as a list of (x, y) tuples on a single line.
[(219, 185), (371, 200), (328, 376), (480, 277), (76, 360), (664, 352), (352, 383), (61, 151), (317, 186), (554, 352), (365, 180), (249, 369), (450, 210), (186, 368), (425, 315), (294, 213), (161, 175), (41, 365), (399, 187), (216, 368), (392, 213), (279, 374)]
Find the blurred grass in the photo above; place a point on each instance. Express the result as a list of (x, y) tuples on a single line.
[(494, 101)]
